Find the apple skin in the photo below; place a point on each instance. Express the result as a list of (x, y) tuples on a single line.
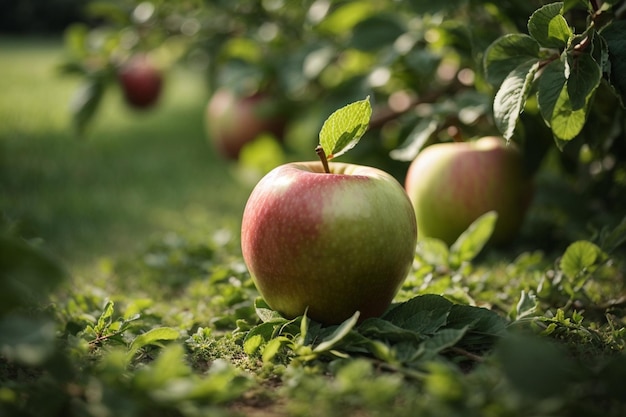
[(329, 244), (141, 81), (452, 184), (233, 121)]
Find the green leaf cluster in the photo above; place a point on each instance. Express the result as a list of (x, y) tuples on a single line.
[(199, 347), (407, 336), (562, 67)]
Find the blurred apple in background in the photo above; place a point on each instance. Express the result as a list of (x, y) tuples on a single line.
[(452, 184), (141, 81), (232, 121)]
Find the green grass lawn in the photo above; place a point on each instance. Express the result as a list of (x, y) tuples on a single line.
[(134, 175)]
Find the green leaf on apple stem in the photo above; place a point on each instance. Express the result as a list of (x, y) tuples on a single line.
[(343, 129)]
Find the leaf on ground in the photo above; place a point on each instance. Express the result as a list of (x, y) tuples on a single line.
[(266, 314), (444, 339), (578, 257), (433, 251), (473, 240), (479, 320), (151, 337), (379, 329), (424, 314), (340, 332)]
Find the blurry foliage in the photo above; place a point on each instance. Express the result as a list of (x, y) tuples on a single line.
[(177, 329), (430, 74)]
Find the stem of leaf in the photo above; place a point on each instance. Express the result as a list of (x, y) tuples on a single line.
[(322, 155)]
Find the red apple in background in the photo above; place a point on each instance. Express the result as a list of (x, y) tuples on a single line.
[(452, 184), (333, 243), (233, 121), (141, 81)]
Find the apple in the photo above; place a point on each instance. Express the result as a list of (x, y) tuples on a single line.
[(232, 121), (452, 184), (331, 243), (141, 81)]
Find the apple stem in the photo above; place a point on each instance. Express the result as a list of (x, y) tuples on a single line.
[(322, 155)]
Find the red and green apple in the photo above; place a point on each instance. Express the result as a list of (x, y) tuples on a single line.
[(141, 81), (452, 184), (329, 243), (232, 120)]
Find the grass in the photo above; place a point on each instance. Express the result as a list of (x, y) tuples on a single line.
[(135, 174)]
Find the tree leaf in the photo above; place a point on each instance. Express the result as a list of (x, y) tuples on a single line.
[(549, 88), (511, 97), (343, 129), (86, 102), (571, 4), (472, 241), (548, 26), (345, 17), (376, 32), (578, 257), (615, 36), (584, 78), (507, 53), (567, 122), (415, 141)]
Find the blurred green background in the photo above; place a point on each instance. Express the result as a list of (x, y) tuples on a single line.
[(135, 175)]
